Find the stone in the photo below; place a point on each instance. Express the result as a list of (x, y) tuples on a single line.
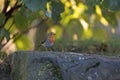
[(28, 65)]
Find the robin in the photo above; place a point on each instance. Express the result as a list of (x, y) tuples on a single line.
[(49, 42)]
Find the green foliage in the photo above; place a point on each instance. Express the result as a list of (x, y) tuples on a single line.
[(93, 2), (75, 29), (99, 34), (91, 5), (23, 43), (108, 7), (2, 19), (56, 8), (112, 5), (112, 20), (4, 33), (59, 31), (35, 5), (75, 20), (21, 20), (9, 23)]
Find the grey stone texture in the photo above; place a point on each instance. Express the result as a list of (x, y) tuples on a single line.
[(28, 65)]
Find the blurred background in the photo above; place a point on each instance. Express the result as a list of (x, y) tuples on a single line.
[(83, 26)]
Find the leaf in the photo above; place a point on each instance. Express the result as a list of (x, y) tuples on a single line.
[(113, 5), (20, 18), (2, 19), (112, 20), (59, 31), (87, 34), (92, 2), (12, 3), (9, 23), (57, 8), (19, 0), (24, 17), (91, 5), (23, 43), (99, 34), (35, 5), (74, 28), (11, 26), (4, 33)]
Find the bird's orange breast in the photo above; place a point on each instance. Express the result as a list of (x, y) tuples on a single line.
[(52, 39)]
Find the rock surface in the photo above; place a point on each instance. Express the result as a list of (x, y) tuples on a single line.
[(63, 66)]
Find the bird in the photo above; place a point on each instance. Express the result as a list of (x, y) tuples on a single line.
[(50, 40)]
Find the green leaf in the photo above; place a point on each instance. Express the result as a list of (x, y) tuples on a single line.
[(4, 33), (113, 5), (92, 2), (35, 5), (21, 20), (99, 34), (19, 0), (9, 23), (13, 29), (91, 5), (74, 28), (2, 19), (57, 8), (24, 17), (112, 20), (23, 43)]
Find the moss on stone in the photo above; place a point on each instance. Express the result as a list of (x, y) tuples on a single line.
[(50, 69), (19, 71)]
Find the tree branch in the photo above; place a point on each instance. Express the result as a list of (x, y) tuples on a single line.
[(27, 30), (10, 12), (19, 34), (6, 4), (8, 15)]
